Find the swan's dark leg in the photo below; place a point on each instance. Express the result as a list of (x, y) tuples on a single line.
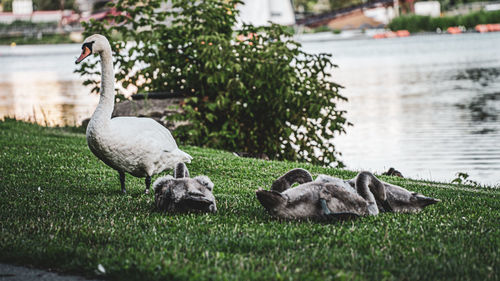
[(122, 181), (148, 184)]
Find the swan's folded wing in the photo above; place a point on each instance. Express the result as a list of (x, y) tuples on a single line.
[(146, 130), (163, 135)]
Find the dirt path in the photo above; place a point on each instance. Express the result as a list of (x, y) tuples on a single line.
[(20, 273)]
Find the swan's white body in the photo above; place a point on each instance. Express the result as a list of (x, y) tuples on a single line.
[(139, 146)]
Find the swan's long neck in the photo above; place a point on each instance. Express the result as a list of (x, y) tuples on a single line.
[(107, 100)]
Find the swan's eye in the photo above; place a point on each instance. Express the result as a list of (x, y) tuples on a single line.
[(88, 45)]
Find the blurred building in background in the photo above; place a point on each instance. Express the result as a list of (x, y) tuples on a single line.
[(428, 8), (85, 6), (262, 12), (22, 10), (22, 7), (369, 14)]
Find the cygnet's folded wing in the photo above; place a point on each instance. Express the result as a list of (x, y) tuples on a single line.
[(336, 199)]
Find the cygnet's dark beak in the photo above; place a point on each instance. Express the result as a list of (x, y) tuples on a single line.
[(198, 203), (426, 201), (212, 208)]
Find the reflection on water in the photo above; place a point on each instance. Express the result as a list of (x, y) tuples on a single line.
[(426, 105), (485, 107), (37, 84), (482, 75)]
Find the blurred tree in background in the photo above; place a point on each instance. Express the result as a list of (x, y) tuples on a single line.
[(249, 90), (47, 5), (7, 5), (415, 23)]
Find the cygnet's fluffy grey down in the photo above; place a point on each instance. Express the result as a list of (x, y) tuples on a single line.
[(181, 193), (332, 198)]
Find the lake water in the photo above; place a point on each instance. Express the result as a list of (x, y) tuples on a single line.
[(427, 105), (37, 83)]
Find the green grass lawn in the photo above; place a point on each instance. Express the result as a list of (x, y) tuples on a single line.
[(62, 209)]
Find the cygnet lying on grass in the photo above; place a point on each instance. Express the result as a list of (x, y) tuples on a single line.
[(181, 193), (332, 198)]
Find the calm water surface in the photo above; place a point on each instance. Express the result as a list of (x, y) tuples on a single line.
[(37, 83), (427, 105)]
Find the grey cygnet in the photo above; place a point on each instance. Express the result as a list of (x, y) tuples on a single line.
[(181, 193), (332, 198)]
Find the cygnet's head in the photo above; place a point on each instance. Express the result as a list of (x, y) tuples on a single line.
[(402, 200), (183, 194), (93, 44)]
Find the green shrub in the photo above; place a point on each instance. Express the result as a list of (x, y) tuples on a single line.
[(6, 5), (258, 94), (486, 17), (27, 24), (472, 19), (322, 28), (46, 39), (414, 23), (443, 23)]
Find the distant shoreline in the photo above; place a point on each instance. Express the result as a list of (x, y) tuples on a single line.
[(359, 35), (46, 39), (303, 38)]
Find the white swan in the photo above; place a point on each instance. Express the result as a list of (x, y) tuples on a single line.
[(139, 146)]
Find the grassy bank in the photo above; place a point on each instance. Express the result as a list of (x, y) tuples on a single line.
[(414, 23), (62, 209)]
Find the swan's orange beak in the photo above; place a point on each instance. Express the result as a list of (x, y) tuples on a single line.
[(85, 53)]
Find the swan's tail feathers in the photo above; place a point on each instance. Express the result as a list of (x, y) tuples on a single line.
[(185, 157)]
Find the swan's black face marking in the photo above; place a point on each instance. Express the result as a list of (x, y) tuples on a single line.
[(86, 51)]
